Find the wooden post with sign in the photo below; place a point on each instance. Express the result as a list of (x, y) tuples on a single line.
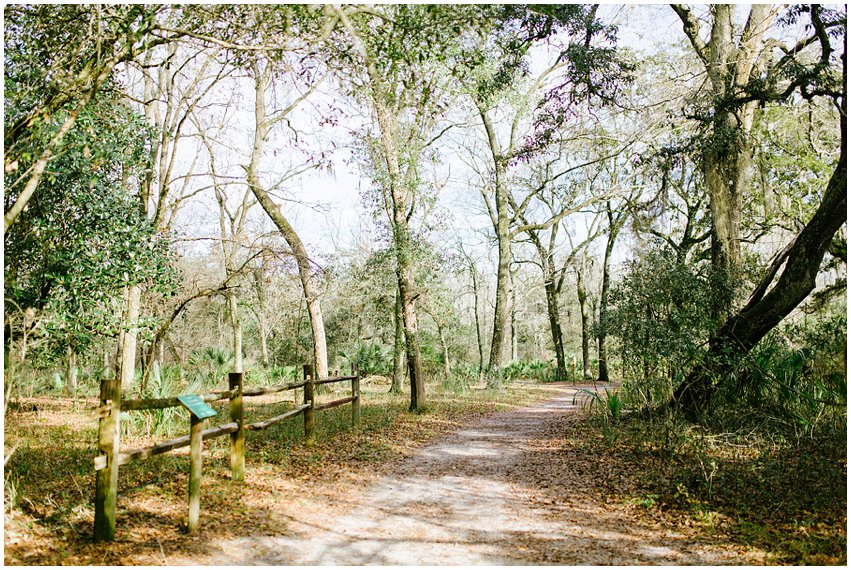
[(356, 400), (237, 438), (106, 486), (309, 424), (199, 411), (196, 448)]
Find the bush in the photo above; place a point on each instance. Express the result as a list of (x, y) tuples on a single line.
[(370, 359), (796, 379), (661, 312), (539, 370)]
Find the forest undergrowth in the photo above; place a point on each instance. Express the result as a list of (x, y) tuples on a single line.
[(782, 496), (754, 484)]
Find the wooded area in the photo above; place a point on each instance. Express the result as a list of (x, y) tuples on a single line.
[(445, 197)]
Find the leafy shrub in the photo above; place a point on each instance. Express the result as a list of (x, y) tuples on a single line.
[(539, 370), (662, 314), (373, 358), (796, 378), (259, 376), (210, 367), (165, 382)]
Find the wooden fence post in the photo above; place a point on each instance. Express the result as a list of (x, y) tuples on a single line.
[(196, 448), (356, 401), (309, 424), (237, 438), (106, 486)]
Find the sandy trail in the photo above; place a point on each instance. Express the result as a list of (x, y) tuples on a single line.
[(471, 500)]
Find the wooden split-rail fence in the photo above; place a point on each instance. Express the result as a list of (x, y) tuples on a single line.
[(111, 457)]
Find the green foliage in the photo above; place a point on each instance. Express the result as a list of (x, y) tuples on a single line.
[(797, 147), (165, 382), (53, 52), (538, 370), (662, 314), (370, 359), (83, 237), (610, 407), (210, 367), (462, 377), (796, 379)]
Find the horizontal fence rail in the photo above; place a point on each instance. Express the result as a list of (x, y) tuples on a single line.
[(164, 403), (110, 456), (277, 419), (334, 403), (332, 380), (171, 445), (272, 389)]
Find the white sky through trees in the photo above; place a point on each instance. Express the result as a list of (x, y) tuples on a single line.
[(325, 205)]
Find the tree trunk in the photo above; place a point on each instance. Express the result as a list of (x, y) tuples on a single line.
[(236, 328), (479, 341), (127, 337), (306, 276), (399, 192), (260, 291), (264, 343), (513, 318), (398, 195), (106, 362), (615, 225), (398, 346), (71, 371), (500, 313), (726, 171), (447, 365), (730, 57), (582, 295), (405, 275), (741, 332), (555, 327)]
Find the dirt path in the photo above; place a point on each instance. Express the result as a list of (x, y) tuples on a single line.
[(483, 495)]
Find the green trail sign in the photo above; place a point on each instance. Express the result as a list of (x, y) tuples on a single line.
[(197, 406)]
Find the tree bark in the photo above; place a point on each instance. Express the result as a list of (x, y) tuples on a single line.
[(513, 318), (552, 288), (615, 225), (405, 275), (503, 239), (399, 198), (726, 159), (71, 371), (582, 295), (236, 328), (399, 193), (447, 365), (479, 341), (306, 276), (555, 327), (264, 343), (260, 291), (127, 337), (398, 346)]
